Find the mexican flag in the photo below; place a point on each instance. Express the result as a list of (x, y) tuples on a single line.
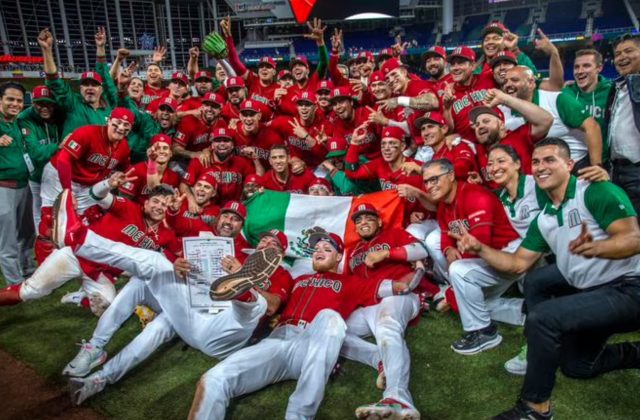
[(297, 215)]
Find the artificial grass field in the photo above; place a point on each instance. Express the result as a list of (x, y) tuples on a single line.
[(444, 385)]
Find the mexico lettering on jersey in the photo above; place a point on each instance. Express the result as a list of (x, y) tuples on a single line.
[(229, 174), (194, 134), (387, 239), (468, 97)]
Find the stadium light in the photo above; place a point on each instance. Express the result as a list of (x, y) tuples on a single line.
[(362, 16)]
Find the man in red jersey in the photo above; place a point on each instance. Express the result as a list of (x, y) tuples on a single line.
[(478, 288), (435, 64), (306, 343), (281, 177), (383, 254), (323, 98), (236, 94), (152, 173), (253, 138), (468, 90), (406, 91), (186, 223), (387, 169), (379, 90), (489, 125), (193, 134), (229, 170), (128, 222), (352, 121), (304, 134), (178, 90)]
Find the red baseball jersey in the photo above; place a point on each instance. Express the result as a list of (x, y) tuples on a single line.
[(467, 98), (230, 112), (151, 94), (296, 183), (312, 156), (387, 269), (480, 212), (138, 189), (194, 134), (417, 87), (438, 85), (463, 159), (94, 156), (371, 145), (312, 293), (185, 223), (191, 103), (229, 174), (262, 141), (280, 284), (522, 142), (257, 89)]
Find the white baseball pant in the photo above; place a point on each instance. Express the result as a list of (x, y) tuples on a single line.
[(387, 322), (57, 269), (478, 289), (214, 335), (36, 202), (307, 354), (50, 188), (440, 264)]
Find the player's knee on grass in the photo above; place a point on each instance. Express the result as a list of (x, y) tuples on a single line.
[(577, 369)]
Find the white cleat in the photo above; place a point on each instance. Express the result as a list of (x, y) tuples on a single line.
[(82, 388), (87, 358), (74, 298)]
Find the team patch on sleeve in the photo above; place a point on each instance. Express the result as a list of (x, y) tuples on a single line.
[(73, 145), (25, 132)]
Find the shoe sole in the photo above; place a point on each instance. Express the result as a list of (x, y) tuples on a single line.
[(485, 346), (257, 268), (58, 224), (68, 371)]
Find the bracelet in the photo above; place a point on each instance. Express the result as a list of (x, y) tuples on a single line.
[(404, 101)]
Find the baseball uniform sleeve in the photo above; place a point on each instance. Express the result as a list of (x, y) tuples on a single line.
[(446, 241), (479, 214), (193, 172), (281, 284), (534, 241), (354, 170), (183, 132), (607, 203), (571, 112)]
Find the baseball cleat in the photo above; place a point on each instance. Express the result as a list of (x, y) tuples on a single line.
[(82, 388), (87, 358), (387, 409), (74, 298), (381, 380), (67, 225), (257, 268), (145, 315)]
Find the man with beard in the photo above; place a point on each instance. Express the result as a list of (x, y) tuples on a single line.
[(306, 343), (186, 223), (280, 177), (40, 125), (178, 90), (125, 221), (252, 184), (236, 93), (383, 254), (435, 62), (490, 129), (334, 164), (366, 65), (407, 92), (229, 170), (304, 134), (203, 84), (478, 289), (380, 90), (153, 172), (352, 121), (571, 120), (193, 134), (253, 138), (16, 233), (323, 98), (387, 169), (90, 106)]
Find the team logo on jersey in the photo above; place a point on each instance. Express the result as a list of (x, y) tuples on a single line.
[(524, 212), (574, 218), (73, 145)]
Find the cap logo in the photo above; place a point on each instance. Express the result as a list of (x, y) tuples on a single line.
[(362, 207), (234, 206), (333, 145), (45, 91), (223, 131), (249, 104)]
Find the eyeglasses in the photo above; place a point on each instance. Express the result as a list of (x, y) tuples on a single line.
[(435, 179)]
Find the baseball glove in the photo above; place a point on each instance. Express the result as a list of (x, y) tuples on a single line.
[(215, 46)]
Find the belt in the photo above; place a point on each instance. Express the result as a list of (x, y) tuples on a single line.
[(295, 322), (624, 162), (8, 183)]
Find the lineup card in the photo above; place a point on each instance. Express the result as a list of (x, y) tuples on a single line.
[(205, 255)]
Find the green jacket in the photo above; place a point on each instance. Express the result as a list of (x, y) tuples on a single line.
[(42, 140), (596, 103), (143, 129), (78, 112), (343, 185), (523, 60), (12, 164)]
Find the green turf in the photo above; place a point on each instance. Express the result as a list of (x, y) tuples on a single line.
[(444, 385)]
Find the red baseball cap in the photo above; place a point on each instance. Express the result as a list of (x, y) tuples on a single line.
[(503, 56), (267, 60), (250, 105), (203, 74), (180, 77), (234, 82), (221, 133), (463, 52), (494, 27), (376, 76), (299, 59), (365, 54), (284, 73), (318, 181), (123, 114), (431, 116), (394, 133), (390, 65), (212, 97), (235, 207), (435, 51), (252, 179), (385, 52), (342, 92), (209, 179), (364, 208), (170, 102), (42, 94), (324, 85), (306, 96), (90, 75), (161, 138), (337, 146), (279, 235), (482, 109), (332, 238)]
